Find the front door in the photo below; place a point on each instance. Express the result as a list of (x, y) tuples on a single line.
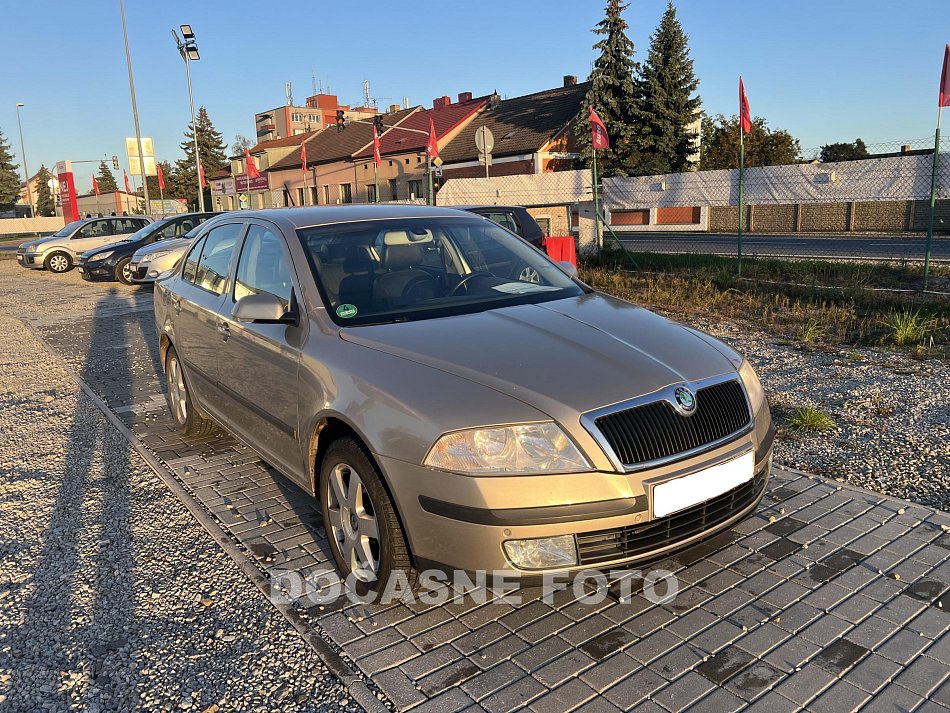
[(93, 234), (257, 369), (201, 291)]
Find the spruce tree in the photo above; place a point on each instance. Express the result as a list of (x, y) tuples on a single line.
[(666, 103), (9, 178), (611, 95), (45, 205), (212, 148), (106, 179)]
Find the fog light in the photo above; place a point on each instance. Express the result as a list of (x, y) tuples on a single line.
[(153, 273), (542, 553)]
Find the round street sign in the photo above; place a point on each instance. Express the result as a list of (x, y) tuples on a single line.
[(484, 140)]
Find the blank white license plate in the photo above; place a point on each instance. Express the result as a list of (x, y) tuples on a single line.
[(695, 488)]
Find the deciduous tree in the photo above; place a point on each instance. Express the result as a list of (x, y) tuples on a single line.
[(844, 151), (763, 146)]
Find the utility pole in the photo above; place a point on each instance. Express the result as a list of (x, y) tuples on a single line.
[(135, 109), (26, 171)]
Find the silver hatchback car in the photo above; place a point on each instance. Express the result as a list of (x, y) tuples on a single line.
[(445, 413)]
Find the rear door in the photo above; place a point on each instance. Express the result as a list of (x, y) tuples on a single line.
[(196, 304), (257, 363)]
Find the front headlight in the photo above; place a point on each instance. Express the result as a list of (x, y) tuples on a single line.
[(101, 256), (525, 448), (753, 386)]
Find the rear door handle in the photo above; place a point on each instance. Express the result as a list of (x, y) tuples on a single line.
[(177, 305), (225, 330)]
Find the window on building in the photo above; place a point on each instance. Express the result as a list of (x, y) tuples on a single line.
[(296, 117), (313, 195), (298, 132), (301, 197), (313, 117), (407, 161), (371, 193), (393, 188), (326, 195), (418, 159), (415, 189), (346, 193)]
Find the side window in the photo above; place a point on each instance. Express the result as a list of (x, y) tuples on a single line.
[(169, 231), (119, 226), (95, 229), (138, 224), (263, 267), (212, 272), (504, 220), (191, 261)]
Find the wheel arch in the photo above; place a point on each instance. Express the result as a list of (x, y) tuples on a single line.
[(330, 428)]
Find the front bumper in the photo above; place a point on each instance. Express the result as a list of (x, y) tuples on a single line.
[(95, 270), (30, 260), (143, 273), (457, 522)]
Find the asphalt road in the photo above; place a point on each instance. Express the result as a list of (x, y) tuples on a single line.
[(867, 247)]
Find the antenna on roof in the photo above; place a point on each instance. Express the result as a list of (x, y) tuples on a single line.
[(313, 80), (288, 91), (366, 99)]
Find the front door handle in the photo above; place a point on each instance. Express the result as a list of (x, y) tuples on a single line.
[(225, 330), (177, 305)]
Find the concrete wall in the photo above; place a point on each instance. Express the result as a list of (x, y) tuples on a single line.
[(15, 226)]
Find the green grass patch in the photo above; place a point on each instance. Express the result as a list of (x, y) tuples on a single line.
[(807, 418), (909, 326)]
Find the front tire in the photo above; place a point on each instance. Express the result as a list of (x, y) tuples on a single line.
[(360, 520), (123, 273), (58, 262), (187, 419)]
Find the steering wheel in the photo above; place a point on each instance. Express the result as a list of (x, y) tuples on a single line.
[(464, 280)]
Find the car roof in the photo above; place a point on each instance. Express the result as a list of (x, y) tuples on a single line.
[(294, 218), (484, 207)]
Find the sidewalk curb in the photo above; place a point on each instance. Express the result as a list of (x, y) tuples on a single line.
[(354, 685)]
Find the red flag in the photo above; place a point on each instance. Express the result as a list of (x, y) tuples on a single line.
[(303, 158), (376, 158), (126, 177), (945, 79), (432, 145), (161, 176), (201, 175), (252, 171), (745, 113), (599, 137), (95, 185)]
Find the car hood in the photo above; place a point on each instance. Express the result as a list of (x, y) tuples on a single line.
[(162, 246), (40, 242), (581, 353), (111, 246)]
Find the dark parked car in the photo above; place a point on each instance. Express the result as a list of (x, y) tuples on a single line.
[(511, 217), (111, 262)]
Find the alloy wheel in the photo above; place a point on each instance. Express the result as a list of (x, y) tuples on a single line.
[(177, 391), (529, 274), (355, 530), (127, 272), (58, 263)]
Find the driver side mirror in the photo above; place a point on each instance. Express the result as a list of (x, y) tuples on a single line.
[(263, 308), (568, 267)]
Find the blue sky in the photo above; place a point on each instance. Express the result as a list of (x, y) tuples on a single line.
[(826, 70)]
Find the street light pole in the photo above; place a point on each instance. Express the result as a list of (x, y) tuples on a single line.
[(188, 49), (26, 170), (135, 109)]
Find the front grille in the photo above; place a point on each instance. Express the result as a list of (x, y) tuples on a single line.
[(633, 540), (656, 430)]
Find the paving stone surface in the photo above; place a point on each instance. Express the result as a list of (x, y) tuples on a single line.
[(827, 598)]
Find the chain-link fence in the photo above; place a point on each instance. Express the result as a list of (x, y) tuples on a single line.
[(851, 223)]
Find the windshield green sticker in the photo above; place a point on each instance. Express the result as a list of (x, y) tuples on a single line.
[(346, 311)]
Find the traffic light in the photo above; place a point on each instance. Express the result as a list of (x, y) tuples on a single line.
[(115, 162), (436, 181), (340, 120), (378, 123)]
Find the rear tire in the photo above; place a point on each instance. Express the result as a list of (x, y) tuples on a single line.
[(187, 419), (360, 520), (58, 262), (122, 272)]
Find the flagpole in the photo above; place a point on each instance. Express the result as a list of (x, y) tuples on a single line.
[(933, 199), (741, 186), (376, 179), (596, 206)]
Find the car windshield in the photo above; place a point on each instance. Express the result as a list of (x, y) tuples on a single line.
[(384, 271), (63, 232)]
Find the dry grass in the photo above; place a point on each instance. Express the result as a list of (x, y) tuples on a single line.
[(805, 315)]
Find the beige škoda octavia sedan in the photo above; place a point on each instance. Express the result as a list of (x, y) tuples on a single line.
[(446, 414)]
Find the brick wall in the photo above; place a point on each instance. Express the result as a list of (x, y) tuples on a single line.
[(724, 219), (824, 217), (941, 216), (557, 217), (881, 215), (773, 218)]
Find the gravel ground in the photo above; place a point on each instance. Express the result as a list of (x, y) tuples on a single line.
[(112, 597), (892, 413)]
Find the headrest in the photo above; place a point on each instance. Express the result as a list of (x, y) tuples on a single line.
[(402, 256)]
